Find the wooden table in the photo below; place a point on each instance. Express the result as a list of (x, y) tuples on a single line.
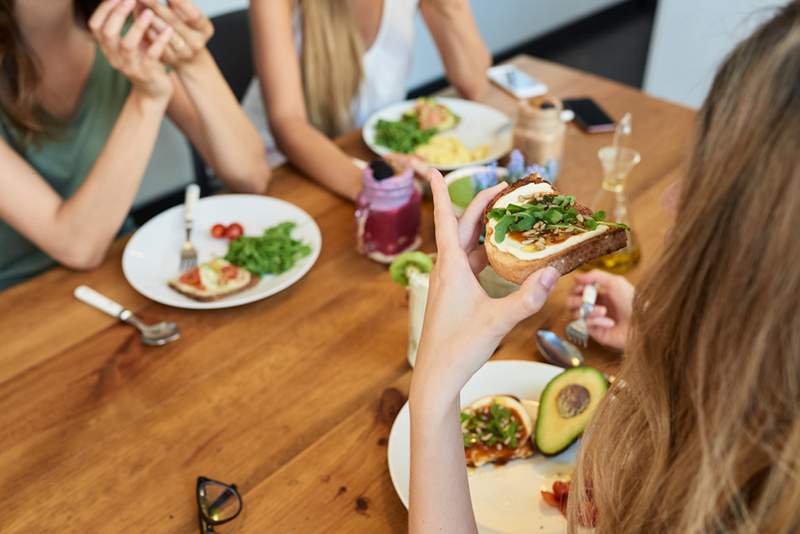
[(291, 397)]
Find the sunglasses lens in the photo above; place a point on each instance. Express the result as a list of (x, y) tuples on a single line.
[(218, 501)]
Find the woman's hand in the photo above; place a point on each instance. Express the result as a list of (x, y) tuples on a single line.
[(131, 54), (610, 319), (463, 325), (192, 30)]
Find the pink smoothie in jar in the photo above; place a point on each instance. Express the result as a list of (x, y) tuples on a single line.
[(388, 215)]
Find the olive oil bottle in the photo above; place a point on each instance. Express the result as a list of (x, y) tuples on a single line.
[(617, 163)]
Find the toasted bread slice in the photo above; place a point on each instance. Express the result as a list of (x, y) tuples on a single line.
[(481, 453), (515, 264), (210, 285)]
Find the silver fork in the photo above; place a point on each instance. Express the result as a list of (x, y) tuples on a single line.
[(577, 330), (188, 252)]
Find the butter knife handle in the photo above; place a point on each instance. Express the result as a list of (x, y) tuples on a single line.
[(91, 297)]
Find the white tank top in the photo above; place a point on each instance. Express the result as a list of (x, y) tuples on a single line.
[(387, 64)]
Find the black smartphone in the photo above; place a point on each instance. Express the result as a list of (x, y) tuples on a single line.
[(589, 115)]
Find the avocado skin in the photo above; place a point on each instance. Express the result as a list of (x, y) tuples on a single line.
[(549, 421)]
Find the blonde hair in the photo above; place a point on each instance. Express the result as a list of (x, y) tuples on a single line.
[(704, 435), (331, 63)]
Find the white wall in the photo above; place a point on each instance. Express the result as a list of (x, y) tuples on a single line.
[(503, 24), (690, 40)]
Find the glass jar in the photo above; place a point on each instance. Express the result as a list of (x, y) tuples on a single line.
[(611, 199), (539, 133), (387, 216)]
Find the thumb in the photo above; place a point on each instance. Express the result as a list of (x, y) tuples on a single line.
[(529, 299)]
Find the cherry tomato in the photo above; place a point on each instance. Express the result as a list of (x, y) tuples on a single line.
[(218, 231), (229, 272), (192, 278), (234, 231)]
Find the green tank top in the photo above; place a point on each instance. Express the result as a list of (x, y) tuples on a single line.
[(64, 161)]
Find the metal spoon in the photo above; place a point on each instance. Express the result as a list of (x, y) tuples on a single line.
[(561, 352), (558, 351), (156, 334)]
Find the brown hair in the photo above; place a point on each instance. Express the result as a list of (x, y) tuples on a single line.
[(331, 63), (20, 72), (704, 435)]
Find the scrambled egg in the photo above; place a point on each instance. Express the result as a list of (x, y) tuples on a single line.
[(449, 150)]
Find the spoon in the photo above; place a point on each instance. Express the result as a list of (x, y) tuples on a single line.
[(156, 334), (561, 352), (558, 351)]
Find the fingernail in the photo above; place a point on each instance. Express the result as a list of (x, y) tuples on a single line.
[(549, 277)]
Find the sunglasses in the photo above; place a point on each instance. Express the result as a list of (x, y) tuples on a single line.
[(217, 503)]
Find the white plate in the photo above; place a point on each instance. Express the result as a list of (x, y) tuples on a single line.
[(152, 256), (506, 499), (479, 125)]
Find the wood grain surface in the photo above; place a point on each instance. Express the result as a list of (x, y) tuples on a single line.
[(292, 398)]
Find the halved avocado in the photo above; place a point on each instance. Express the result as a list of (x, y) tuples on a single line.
[(565, 407)]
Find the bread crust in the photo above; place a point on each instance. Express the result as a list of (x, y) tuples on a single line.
[(211, 298), (515, 270)]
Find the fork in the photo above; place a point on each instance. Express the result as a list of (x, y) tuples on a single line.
[(188, 252), (577, 330)]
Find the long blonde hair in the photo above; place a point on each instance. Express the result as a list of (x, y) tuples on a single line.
[(331, 63), (704, 436)]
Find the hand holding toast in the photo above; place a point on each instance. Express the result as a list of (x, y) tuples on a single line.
[(610, 319), (463, 325)]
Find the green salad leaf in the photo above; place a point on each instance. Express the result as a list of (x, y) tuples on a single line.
[(554, 212), (402, 136), (274, 252)]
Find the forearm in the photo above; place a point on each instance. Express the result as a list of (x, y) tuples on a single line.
[(230, 143), (317, 156), (460, 44), (439, 490), (85, 224)]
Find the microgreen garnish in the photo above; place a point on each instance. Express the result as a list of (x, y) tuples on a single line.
[(490, 427), (549, 214)]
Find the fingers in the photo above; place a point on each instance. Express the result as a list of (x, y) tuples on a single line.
[(111, 30), (192, 16), (471, 222), (136, 32), (100, 15), (600, 323), (528, 300), (595, 277), (445, 223), (156, 50)]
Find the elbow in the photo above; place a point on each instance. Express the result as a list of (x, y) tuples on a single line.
[(475, 86), (254, 181), (82, 257)]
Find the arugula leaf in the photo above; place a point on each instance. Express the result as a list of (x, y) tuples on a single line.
[(501, 228)]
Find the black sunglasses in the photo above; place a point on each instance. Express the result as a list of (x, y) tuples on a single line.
[(217, 503)]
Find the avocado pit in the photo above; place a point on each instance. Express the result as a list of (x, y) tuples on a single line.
[(572, 400)]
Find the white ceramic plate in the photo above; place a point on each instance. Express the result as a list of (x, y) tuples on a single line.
[(506, 499), (480, 124), (152, 256)]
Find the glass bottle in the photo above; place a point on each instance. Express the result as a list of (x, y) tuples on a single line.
[(388, 212), (539, 133), (611, 200)]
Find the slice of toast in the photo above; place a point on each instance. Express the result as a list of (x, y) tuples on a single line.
[(481, 453), (211, 288), (565, 257)]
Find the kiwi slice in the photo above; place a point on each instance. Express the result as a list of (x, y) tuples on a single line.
[(420, 261), (462, 191)]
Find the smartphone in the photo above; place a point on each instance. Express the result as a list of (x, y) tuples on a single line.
[(516, 81), (589, 115)]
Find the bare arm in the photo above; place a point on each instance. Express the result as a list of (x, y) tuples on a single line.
[(78, 231), (459, 41), (279, 71), (463, 327), (203, 105)]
